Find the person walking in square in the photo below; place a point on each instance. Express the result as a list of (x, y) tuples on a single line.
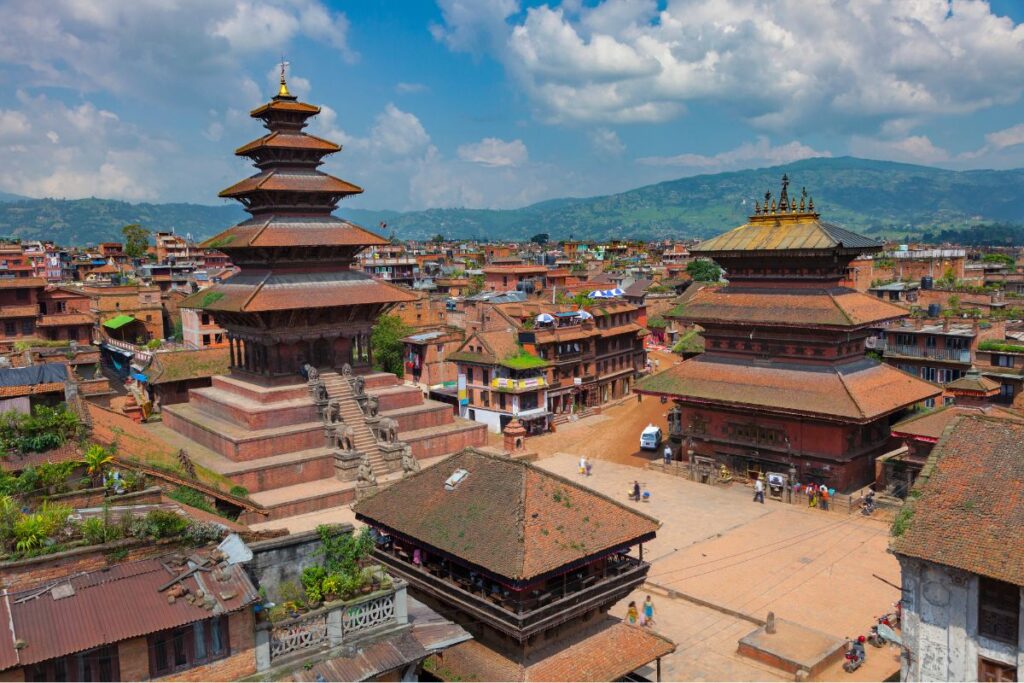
[(648, 612), (631, 614), (759, 491), (668, 455), (823, 495)]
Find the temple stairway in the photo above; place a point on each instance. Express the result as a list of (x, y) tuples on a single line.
[(271, 440), (339, 389)]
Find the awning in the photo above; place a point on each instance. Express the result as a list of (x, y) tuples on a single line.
[(118, 321)]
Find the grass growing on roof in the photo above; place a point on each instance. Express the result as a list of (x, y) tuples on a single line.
[(523, 360), (211, 298)]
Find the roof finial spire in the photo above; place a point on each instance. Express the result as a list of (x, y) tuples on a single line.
[(283, 90), (784, 196)]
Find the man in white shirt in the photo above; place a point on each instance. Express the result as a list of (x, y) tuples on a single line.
[(668, 454), (759, 491)]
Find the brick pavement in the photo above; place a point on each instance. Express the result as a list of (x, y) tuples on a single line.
[(808, 566)]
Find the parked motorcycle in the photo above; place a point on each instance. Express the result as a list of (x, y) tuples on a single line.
[(855, 655), (882, 634)]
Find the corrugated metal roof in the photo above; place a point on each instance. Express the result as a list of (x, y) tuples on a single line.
[(117, 603)]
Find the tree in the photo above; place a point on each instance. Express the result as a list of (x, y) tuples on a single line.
[(437, 239), (136, 240), (476, 284), (386, 341), (703, 270), (96, 458), (540, 238)]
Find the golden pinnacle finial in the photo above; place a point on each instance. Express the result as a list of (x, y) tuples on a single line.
[(283, 90)]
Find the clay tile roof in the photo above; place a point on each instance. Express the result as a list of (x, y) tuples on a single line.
[(930, 425), (175, 366), (59, 319), (284, 105), (290, 181), (507, 516), (256, 292), (606, 653), (860, 391), (973, 382), (281, 231), (786, 234), (497, 345), (839, 307), (291, 141), (970, 513), (107, 606)]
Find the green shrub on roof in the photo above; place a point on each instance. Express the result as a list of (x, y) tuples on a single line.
[(523, 360)]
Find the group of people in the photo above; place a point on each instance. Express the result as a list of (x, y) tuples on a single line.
[(585, 465), (818, 495), (645, 617)]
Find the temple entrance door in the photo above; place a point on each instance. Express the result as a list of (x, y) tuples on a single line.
[(703, 470), (323, 354)]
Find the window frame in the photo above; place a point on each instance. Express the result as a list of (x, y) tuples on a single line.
[(188, 635), (994, 592)]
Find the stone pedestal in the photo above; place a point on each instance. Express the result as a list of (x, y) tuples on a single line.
[(392, 454), (365, 490), (346, 465)]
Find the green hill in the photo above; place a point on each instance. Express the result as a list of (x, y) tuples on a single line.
[(878, 197)]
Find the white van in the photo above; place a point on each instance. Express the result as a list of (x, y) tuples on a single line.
[(650, 438)]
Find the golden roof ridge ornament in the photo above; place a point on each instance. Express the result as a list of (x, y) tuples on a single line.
[(785, 206), (282, 92)]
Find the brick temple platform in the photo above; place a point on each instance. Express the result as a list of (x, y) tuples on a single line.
[(792, 647), (270, 439)]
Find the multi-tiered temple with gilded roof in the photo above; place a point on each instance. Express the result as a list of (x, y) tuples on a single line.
[(299, 303), (296, 300), (784, 384)]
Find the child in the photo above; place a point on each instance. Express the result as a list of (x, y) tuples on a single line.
[(631, 613)]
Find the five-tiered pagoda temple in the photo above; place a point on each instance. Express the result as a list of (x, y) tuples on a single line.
[(297, 299), (784, 385)]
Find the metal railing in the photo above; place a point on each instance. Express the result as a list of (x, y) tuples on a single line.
[(911, 351)]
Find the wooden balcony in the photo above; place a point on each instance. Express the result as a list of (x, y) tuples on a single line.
[(542, 609)]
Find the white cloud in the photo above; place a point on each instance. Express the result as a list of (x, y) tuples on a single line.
[(606, 141), (81, 151), (407, 88), (1008, 137), (747, 155), (158, 50), (13, 124), (398, 133), (918, 149), (494, 152), (834, 65)]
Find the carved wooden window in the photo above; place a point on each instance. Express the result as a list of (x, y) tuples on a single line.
[(998, 610), (989, 670)]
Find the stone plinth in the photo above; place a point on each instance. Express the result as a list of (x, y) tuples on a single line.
[(392, 454), (346, 464), (792, 648)]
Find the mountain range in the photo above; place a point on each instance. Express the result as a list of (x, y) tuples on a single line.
[(881, 198)]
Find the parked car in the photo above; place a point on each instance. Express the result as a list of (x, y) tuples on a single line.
[(650, 438)]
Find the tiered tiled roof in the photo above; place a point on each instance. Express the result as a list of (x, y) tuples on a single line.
[(607, 653), (860, 391), (970, 513), (506, 516), (838, 307)]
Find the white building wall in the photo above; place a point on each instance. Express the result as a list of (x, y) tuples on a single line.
[(940, 626)]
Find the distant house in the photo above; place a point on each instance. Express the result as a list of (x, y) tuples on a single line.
[(960, 544)]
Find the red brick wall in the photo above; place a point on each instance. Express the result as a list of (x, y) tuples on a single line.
[(246, 450), (449, 442), (286, 474), (22, 575), (405, 398), (432, 415)]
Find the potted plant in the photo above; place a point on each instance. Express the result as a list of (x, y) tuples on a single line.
[(331, 587)]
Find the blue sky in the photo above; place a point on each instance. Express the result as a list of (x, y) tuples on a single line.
[(500, 103)]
